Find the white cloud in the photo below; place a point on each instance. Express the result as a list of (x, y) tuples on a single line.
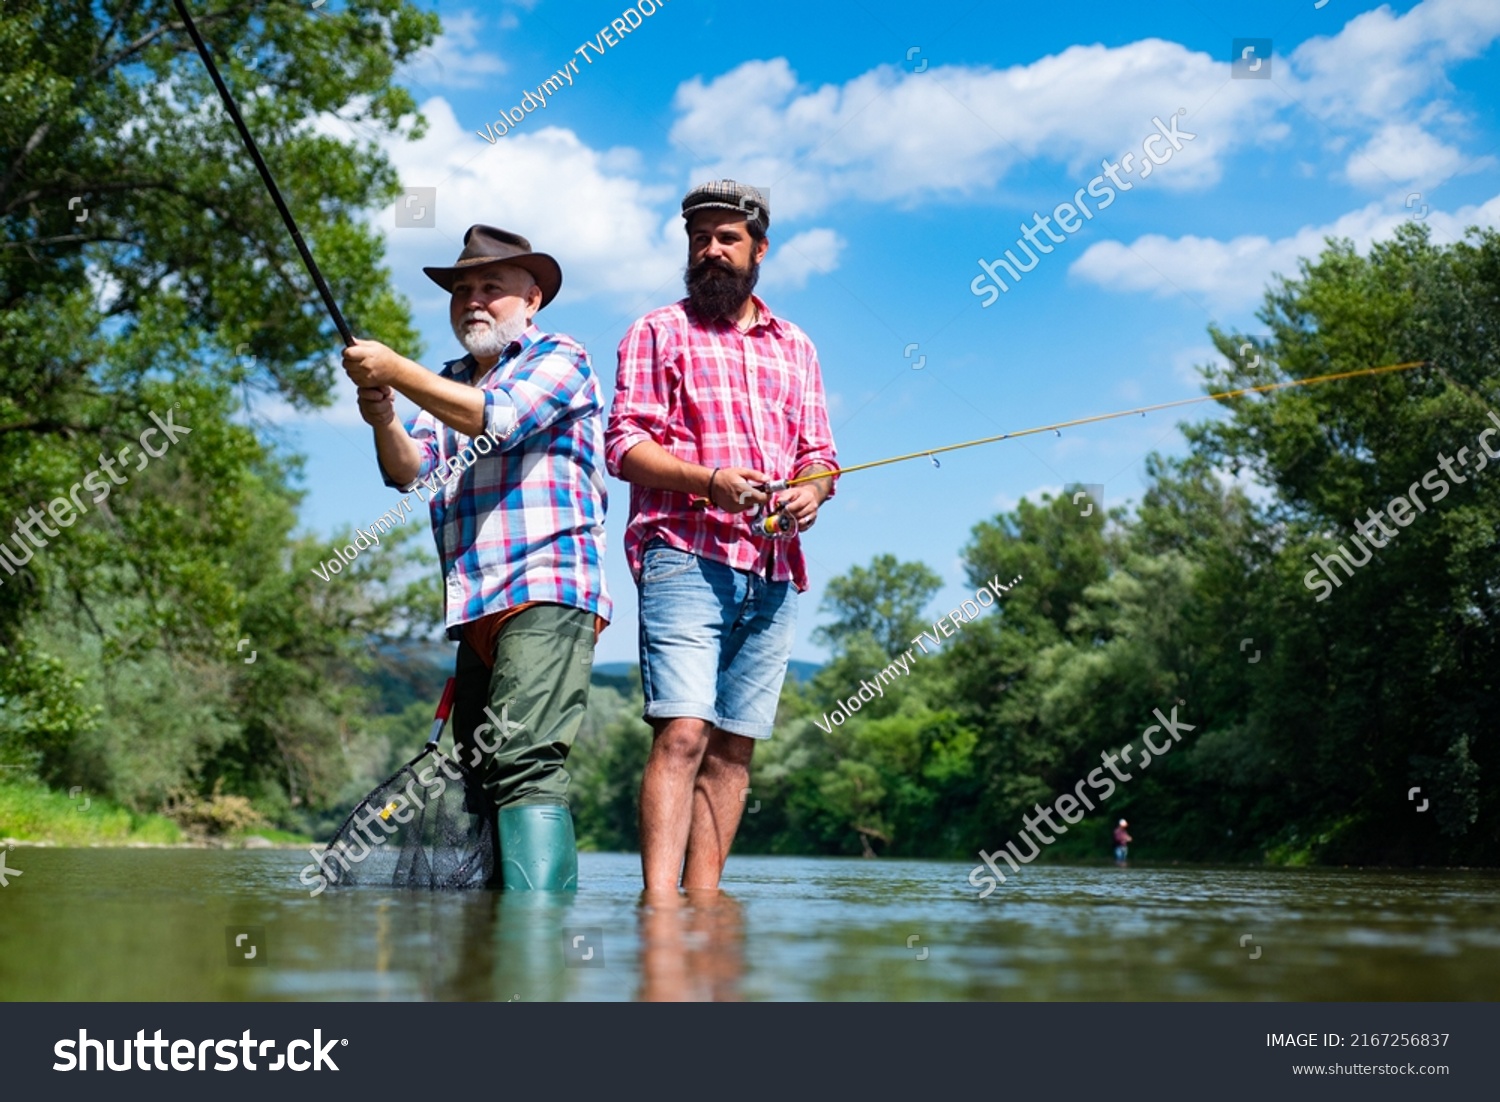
[(1404, 153), (585, 207), (105, 286), (1007, 503), (615, 235), (450, 62), (894, 136), (1186, 361), (1380, 63), (1233, 274), (790, 264), (342, 415), (889, 135)]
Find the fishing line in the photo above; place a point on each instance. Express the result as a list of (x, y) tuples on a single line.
[(781, 484), (265, 174)]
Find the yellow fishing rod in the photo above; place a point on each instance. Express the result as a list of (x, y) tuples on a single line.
[(780, 523), (781, 484)]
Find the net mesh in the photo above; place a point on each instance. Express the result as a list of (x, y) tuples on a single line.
[(430, 826)]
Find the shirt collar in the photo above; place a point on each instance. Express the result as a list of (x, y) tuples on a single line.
[(766, 319), (464, 368), (522, 344)]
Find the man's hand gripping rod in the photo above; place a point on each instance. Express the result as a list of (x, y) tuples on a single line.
[(777, 524)]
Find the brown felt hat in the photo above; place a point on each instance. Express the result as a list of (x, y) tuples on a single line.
[(486, 245)]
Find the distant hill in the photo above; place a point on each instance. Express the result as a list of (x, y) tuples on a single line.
[(412, 670), (614, 669), (408, 670), (799, 670)]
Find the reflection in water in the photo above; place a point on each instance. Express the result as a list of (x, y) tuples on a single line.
[(142, 925), (489, 945), (692, 947), (468, 946), (468, 949), (383, 936), (514, 946), (528, 938)]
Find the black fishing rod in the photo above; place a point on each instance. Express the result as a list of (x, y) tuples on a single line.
[(265, 174)]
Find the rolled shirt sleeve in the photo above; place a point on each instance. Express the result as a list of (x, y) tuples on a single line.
[(712, 394), (423, 430), (639, 410), (535, 396), (530, 400)]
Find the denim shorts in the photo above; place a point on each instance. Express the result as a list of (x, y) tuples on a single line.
[(714, 641)]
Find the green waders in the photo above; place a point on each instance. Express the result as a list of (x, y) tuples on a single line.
[(514, 726)]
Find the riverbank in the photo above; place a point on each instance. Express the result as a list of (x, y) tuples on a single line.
[(33, 815)]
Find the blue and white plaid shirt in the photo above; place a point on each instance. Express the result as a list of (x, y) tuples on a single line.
[(524, 522)]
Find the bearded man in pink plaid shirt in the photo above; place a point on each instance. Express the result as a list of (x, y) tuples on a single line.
[(715, 398)]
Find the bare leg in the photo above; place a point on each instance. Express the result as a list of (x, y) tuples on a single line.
[(717, 807), (677, 750)]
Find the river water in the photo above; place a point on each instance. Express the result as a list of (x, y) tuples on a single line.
[(231, 925)]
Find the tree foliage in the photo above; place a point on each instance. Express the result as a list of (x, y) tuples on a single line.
[(144, 271)]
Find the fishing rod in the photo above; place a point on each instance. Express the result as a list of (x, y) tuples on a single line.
[(780, 523), (781, 484), (265, 174)]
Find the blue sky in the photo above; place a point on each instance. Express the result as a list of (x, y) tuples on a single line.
[(902, 144)]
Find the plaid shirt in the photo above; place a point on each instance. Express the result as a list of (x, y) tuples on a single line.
[(526, 521), (714, 396)]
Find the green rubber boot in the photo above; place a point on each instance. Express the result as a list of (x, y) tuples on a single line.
[(537, 850)]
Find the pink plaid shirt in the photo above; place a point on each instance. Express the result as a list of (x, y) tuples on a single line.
[(714, 396)]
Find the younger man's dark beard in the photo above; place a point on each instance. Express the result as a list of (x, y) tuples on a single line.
[(717, 290)]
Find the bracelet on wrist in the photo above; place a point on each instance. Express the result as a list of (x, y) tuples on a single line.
[(711, 485)]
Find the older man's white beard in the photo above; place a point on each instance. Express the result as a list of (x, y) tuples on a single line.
[(489, 342)]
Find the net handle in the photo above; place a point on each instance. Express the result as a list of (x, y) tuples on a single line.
[(444, 708)]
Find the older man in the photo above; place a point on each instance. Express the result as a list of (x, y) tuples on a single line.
[(507, 443), (715, 397)]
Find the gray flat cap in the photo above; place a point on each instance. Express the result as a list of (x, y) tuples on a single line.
[(729, 195)]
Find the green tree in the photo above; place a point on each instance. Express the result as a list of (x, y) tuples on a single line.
[(144, 270), (1381, 684)]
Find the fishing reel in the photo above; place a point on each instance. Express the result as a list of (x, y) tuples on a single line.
[(778, 524), (769, 523)]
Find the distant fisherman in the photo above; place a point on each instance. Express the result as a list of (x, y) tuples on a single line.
[(1122, 843)]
